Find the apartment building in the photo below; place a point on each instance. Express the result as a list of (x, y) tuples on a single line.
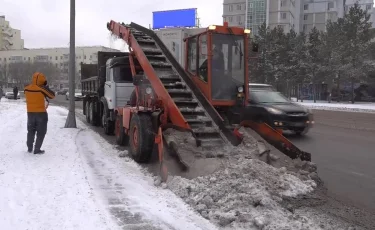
[(302, 15), (58, 56), (284, 13), (316, 13), (251, 14), (234, 12), (365, 5), (10, 39)]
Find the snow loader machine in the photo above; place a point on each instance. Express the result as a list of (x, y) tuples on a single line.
[(202, 99)]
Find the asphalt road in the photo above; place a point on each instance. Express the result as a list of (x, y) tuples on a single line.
[(342, 144)]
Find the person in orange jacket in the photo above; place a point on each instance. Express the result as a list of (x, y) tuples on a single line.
[(37, 117)]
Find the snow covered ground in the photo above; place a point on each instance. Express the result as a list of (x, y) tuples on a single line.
[(339, 106), (79, 183)]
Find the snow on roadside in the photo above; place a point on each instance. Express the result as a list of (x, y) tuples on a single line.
[(80, 183), (335, 106)]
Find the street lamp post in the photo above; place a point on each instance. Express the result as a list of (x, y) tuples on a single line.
[(71, 119)]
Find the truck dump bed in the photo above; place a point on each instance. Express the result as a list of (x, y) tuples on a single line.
[(93, 75)]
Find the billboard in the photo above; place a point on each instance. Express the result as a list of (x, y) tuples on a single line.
[(174, 18)]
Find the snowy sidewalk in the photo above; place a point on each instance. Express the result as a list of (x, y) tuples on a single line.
[(79, 183), (363, 107)]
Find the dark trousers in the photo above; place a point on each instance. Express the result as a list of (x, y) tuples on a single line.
[(36, 124), (15, 96)]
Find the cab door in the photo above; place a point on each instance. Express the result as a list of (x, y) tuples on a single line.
[(197, 62), (109, 89)]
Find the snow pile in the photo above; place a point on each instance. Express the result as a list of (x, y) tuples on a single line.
[(339, 106), (245, 195)]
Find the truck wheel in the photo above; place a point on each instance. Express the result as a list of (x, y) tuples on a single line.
[(88, 112), (92, 113), (107, 125), (121, 138), (141, 137)]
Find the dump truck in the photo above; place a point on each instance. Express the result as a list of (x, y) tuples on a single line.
[(105, 86), (206, 97)]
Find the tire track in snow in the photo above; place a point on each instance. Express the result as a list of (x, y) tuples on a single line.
[(113, 192)]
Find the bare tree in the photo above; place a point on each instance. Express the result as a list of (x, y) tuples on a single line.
[(21, 72), (4, 73)]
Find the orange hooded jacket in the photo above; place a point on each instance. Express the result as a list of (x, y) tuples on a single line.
[(36, 92)]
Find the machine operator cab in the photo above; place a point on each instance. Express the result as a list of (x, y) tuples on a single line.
[(118, 85), (217, 62)]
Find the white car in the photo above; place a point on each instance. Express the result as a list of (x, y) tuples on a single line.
[(9, 95), (77, 95)]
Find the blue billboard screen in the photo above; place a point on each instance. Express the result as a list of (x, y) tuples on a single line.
[(174, 18)]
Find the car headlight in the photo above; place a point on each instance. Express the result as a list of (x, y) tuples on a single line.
[(274, 111), (240, 89), (148, 90)]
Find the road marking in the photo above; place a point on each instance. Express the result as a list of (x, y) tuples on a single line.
[(358, 174)]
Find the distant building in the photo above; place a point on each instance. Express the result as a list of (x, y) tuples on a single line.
[(10, 39), (57, 56), (302, 15), (251, 14), (234, 12)]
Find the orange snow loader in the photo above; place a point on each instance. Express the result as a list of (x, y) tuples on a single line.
[(202, 98)]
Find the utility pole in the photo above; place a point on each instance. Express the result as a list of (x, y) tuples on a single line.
[(71, 119)]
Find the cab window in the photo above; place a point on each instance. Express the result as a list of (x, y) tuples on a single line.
[(203, 61), (192, 55)]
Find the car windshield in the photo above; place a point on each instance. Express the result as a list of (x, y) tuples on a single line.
[(265, 96)]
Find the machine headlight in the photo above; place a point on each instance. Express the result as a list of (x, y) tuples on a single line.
[(148, 90), (240, 89), (274, 111)]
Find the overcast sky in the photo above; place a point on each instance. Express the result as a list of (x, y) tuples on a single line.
[(45, 23)]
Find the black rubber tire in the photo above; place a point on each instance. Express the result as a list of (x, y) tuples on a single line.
[(109, 126), (92, 113), (141, 150), (88, 119), (121, 138)]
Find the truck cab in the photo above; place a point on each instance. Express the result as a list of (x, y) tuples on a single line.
[(118, 85)]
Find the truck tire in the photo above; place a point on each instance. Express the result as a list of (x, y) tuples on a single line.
[(141, 137), (108, 125), (93, 118), (121, 138), (87, 107)]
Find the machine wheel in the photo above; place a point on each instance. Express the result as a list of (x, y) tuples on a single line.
[(121, 138), (88, 113), (107, 125), (141, 137)]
